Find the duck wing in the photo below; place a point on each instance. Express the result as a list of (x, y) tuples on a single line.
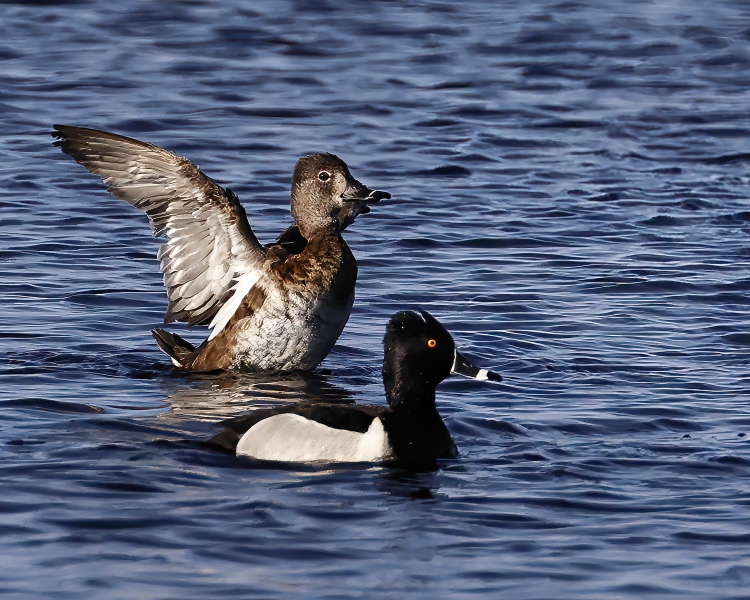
[(211, 254)]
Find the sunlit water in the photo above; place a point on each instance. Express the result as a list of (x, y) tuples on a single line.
[(570, 185)]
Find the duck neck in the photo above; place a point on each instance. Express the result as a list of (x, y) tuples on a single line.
[(310, 229), (415, 429), (409, 396), (313, 216)]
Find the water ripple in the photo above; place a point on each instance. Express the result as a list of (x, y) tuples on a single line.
[(569, 187)]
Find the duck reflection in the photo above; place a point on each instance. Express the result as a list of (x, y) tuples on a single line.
[(212, 397), (411, 481)]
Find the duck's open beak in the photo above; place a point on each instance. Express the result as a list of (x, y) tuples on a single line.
[(358, 192), (357, 199), (461, 366)]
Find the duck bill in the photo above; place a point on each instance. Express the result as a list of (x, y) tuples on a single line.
[(358, 192), (357, 199), (461, 366)]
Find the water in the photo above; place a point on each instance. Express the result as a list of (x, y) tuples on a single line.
[(570, 186)]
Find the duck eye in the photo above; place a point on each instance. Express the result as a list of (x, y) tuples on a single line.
[(324, 175), (431, 343)]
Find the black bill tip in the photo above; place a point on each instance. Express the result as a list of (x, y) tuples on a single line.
[(492, 376), (376, 196)]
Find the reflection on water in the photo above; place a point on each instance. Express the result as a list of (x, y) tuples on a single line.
[(218, 397)]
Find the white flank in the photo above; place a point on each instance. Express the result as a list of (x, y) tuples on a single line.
[(241, 288), (293, 438)]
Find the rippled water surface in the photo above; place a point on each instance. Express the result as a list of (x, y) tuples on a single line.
[(570, 196)]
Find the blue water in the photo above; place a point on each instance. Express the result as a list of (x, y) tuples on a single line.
[(570, 196)]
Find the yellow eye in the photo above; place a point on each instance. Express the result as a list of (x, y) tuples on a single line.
[(431, 343)]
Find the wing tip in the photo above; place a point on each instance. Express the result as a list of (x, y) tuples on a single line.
[(61, 132), (69, 137)]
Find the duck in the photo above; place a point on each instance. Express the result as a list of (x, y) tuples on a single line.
[(419, 353), (278, 307)]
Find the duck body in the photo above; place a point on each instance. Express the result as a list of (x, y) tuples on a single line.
[(337, 433), (270, 308), (409, 429), (292, 317), (321, 433)]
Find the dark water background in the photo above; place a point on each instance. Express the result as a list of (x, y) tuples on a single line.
[(570, 186)]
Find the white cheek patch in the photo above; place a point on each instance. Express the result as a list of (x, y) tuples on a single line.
[(293, 438), (482, 375)]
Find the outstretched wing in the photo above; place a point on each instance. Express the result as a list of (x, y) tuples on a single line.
[(211, 254)]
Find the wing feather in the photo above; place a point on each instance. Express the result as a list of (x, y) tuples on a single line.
[(211, 251)]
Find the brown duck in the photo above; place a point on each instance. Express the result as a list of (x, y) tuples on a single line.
[(273, 308)]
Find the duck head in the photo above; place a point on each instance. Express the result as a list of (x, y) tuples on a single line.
[(419, 354), (325, 193)]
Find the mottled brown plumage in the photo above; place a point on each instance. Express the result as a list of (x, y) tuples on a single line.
[(326, 266), (270, 308)]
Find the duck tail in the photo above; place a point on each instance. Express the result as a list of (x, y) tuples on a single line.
[(177, 348)]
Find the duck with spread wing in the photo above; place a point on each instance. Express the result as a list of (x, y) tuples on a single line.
[(270, 308)]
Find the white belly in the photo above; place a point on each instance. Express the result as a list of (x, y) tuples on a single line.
[(293, 438), (291, 332)]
